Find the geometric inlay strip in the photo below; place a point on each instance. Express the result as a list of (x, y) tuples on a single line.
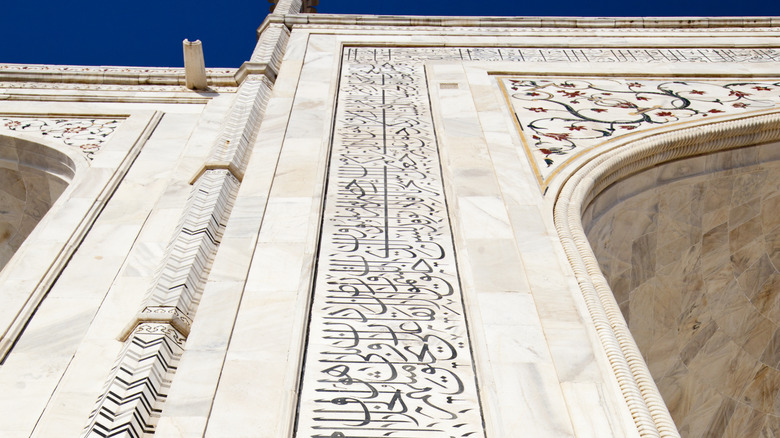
[(138, 385), (388, 351), (548, 55), (139, 382)]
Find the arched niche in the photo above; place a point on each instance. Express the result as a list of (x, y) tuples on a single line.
[(674, 240), (33, 175)]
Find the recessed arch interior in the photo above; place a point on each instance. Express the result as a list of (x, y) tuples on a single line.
[(33, 175), (691, 251)]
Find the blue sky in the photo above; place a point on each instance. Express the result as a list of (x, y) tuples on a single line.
[(92, 32)]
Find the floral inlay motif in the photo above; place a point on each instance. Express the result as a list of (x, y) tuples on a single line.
[(86, 135), (559, 118)]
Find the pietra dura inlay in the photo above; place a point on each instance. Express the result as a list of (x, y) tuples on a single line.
[(84, 135), (559, 118)]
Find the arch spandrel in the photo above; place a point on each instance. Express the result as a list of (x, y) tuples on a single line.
[(560, 118)]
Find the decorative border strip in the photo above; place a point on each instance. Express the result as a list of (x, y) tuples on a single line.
[(139, 76), (573, 55), (639, 390), (581, 24)]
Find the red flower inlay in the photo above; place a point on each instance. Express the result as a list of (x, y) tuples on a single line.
[(739, 105), (714, 111), (629, 127), (625, 105), (545, 151), (575, 128), (664, 114), (641, 98), (599, 110), (697, 92), (559, 137), (738, 93), (759, 88), (537, 110), (571, 94), (635, 85), (533, 94)]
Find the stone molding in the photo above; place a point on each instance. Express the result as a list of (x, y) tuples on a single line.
[(639, 390), (270, 47), (109, 75), (525, 23), (140, 377)]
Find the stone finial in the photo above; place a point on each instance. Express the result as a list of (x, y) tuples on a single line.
[(293, 6), (194, 65), (309, 6)]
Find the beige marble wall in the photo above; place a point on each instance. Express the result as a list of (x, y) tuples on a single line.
[(691, 250), (32, 177)]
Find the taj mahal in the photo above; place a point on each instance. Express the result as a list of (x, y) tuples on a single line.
[(401, 227)]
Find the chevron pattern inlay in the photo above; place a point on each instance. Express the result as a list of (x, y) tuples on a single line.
[(138, 385), (189, 255), (233, 144)]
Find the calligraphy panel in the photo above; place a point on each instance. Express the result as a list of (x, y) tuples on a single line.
[(388, 352)]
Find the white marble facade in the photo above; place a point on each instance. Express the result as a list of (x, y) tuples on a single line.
[(374, 227)]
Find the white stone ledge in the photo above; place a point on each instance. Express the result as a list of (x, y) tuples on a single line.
[(109, 75), (526, 22)]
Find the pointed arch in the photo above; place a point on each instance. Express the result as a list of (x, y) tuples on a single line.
[(605, 167)]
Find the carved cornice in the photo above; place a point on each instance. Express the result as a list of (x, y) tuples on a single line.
[(642, 23), (132, 76)]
